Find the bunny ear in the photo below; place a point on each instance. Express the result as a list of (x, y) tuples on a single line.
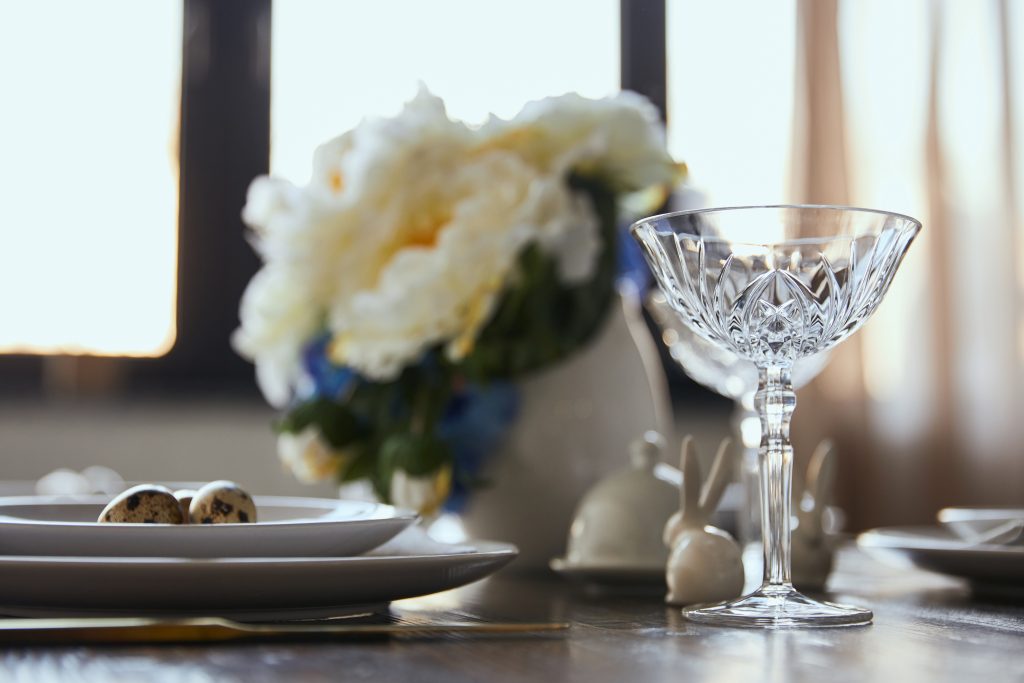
[(821, 474), (689, 492), (721, 473)]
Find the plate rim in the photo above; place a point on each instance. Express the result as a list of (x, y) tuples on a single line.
[(382, 512), (958, 513), (885, 538), (480, 549)]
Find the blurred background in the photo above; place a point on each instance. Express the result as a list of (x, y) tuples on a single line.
[(130, 130)]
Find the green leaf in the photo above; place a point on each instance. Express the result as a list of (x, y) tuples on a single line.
[(336, 423), (341, 428), (417, 454), (362, 466), (296, 419)]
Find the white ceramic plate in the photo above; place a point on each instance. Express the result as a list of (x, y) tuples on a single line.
[(969, 522), (939, 550), (287, 527), (237, 588)]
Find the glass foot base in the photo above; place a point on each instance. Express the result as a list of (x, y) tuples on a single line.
[(777, 607)]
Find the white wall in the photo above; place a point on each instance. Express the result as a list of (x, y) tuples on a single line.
[(151, 441)]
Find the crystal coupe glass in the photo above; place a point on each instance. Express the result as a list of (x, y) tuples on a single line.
[(775, 284), (725, 373)]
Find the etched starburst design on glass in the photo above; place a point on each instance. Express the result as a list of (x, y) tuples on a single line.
[(774, 285)]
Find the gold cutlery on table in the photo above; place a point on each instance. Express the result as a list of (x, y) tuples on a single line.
[(214, 629)]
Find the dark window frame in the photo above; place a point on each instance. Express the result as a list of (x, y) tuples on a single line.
[(224, 144)]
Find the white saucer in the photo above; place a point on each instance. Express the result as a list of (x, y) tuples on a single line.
[(612, 574), (237, 588), (287, 527), (939, 550), (972, 522)]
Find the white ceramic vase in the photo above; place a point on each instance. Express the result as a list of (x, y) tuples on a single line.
[(575, 426)]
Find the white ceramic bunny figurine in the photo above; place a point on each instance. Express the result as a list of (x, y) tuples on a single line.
[(812, 549), (705, 563)]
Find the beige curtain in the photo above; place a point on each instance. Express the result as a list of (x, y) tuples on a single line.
[(916, 107)]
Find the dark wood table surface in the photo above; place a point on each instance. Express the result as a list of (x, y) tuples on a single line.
[(926, 628)]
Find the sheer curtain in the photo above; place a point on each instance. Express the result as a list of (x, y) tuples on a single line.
[(918, 107)]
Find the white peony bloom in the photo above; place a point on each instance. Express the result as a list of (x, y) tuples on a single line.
[(453, 249), (425, 495), (618, 139), (278, 315), (358, 166), (405, 238), (327, 242), (411, 227), (307, 456)]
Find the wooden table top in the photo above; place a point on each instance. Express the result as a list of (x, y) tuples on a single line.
[(926, 629)]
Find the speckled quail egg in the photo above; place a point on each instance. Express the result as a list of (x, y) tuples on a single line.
[(145, 504), (185, 497), (222, 502)]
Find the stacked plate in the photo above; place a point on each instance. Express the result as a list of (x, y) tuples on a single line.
[(983, 545), (305, 558)]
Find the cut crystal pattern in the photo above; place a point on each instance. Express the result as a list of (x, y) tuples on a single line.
[(774, 302)]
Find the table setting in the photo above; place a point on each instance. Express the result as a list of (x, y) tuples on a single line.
[(303, 558), (468, 345)]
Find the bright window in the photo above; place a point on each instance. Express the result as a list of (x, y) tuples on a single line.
[(730, 96), (90, 97), (336, 62)]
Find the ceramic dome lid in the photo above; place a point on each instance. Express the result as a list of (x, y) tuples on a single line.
[(620, 520)]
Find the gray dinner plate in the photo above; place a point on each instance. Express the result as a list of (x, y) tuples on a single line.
[(237, 588), (939, 550)]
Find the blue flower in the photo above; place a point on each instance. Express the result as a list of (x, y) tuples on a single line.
[(631, 264), (329, 380), (473, 425)]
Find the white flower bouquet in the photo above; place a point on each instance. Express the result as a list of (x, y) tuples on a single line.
[(427, 265)]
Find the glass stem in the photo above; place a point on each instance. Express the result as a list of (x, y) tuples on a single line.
[(746, 424), (775, 402)]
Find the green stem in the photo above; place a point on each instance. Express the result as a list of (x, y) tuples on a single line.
[(431, 398)]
